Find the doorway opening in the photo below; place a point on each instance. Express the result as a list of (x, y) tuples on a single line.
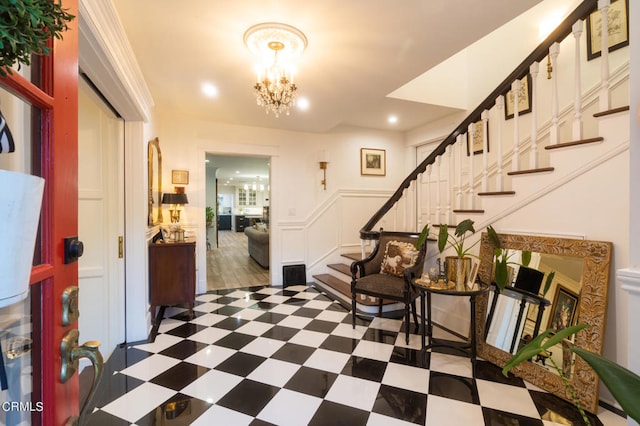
[(238, 194)]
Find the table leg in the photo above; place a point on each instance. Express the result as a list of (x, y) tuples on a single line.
[(429, 326), (422, 319), (473, 335)]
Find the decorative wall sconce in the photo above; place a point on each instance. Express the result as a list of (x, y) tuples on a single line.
[(323, 167)]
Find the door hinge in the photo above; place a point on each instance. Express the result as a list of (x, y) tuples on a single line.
[(120, 247)]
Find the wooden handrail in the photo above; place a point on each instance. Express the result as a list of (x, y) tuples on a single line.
[(538, 54)]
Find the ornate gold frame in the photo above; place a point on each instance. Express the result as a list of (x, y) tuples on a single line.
[(154, 144), (592, 311)]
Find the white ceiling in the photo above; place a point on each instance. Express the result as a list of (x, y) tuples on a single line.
[(359, 52)]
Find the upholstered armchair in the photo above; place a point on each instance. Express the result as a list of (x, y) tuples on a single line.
[(387, 273)]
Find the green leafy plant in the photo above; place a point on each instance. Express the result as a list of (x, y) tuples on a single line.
[(424, 235), (623, 384), (25, 29), (501, 258), (209, 215), (457, 240)]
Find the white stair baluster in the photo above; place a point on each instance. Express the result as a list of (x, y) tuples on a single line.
[(515, 159), (450, 165), (533, 70), (460, 142), (485, 151), (605, 100), (428, 179), (577, 105), (470, 132), (499, 170), (438, 192), (554, 50)]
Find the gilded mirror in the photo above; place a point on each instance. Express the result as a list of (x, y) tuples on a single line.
[(154, 156), (588, 291)]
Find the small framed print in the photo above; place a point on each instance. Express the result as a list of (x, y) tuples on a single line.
[(180, 177), (475, 141), (563, 310), (524, 99), (373, 162), (617, 26)]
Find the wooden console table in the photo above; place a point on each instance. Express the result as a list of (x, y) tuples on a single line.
[(172, 274)]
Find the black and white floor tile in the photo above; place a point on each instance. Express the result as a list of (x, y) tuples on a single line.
[(267, 355)]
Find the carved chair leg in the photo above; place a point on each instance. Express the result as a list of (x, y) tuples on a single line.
[(415, 315), (353, 310), (380, 307), (407, 319)]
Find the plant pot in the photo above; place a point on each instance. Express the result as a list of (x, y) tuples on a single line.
[(458, 270)]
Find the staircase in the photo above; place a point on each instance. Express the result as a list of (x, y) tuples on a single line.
[(491, 167)]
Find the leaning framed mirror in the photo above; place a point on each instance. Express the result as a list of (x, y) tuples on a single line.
[(154, 158), (577, 294)]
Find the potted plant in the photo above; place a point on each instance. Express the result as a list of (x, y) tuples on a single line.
[(458, 266), (209, 216), (623, 384), (25, 29)]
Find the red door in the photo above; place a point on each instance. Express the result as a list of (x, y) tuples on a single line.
[(52, 92)]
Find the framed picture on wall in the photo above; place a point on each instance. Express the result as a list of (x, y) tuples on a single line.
[(180, 177), (563, 309), (373, 162), (617, 26), (475, 141), (524, 99)]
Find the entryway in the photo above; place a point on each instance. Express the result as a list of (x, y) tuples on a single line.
[(238, 191)]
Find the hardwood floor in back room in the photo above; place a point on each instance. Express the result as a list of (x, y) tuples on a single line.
[(230, 266)]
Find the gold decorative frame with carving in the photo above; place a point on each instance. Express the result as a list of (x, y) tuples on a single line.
[(592, 311), (154, 147)]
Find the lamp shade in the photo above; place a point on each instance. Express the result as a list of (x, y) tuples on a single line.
[(171, 198), (20, 202)]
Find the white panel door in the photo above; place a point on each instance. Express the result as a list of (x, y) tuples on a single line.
[(100, 221)]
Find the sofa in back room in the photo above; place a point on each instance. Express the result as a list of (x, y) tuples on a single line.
[(258, 244)]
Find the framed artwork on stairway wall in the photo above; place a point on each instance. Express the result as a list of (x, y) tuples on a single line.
[(475, 141), (524, 99), (617, 25), (373, 162)]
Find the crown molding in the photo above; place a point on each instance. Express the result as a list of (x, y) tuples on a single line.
[(106, 57)]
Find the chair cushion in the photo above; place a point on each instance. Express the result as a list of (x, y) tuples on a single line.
[(398, 255), (381, 284)]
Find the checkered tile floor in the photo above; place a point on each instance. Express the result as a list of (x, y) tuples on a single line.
[(265, 355)]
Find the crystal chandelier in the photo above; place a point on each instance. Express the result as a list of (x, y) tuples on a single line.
[(275, 89)]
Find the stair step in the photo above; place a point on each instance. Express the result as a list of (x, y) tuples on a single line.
[(496, 193), (344, 288), (341, 267), (611, 111), (531, 171), (353, 256), (574, 143), (469, 211)]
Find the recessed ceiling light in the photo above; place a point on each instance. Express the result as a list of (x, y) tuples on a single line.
[(209, 90), (392, 119), (302, 103), (206, 161), (237, 171)]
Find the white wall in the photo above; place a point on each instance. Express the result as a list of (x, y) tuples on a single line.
[(295, 176)]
